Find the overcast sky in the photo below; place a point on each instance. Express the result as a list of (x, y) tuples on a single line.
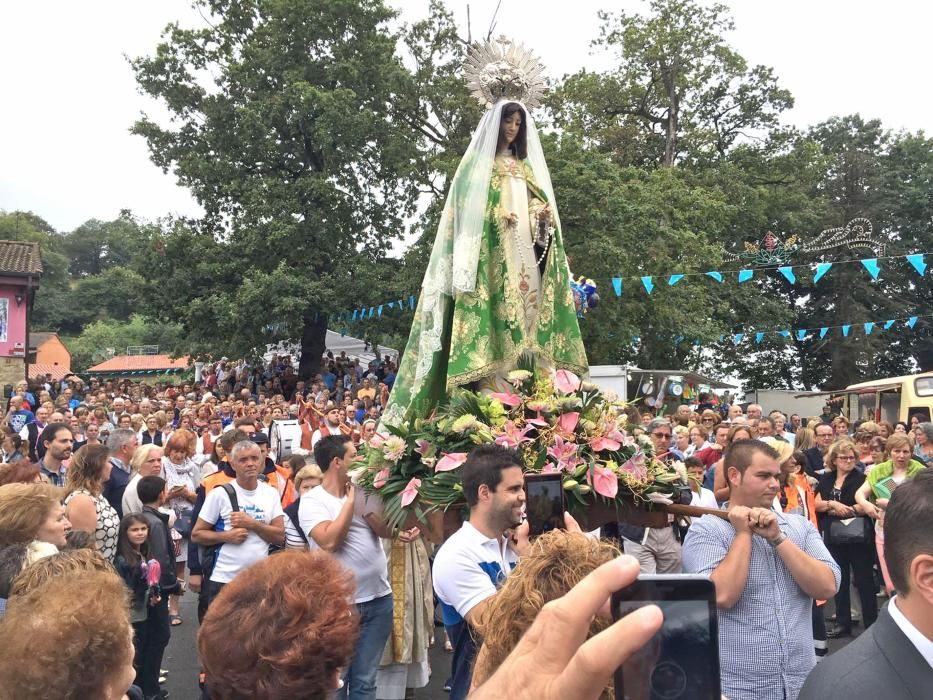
[(69, 96)]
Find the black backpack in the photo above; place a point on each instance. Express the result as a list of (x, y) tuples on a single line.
[(208, 553)]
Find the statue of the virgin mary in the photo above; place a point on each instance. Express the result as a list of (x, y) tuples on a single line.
[(497, 285)]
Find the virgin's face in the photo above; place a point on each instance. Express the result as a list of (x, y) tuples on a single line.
[(510, 127)]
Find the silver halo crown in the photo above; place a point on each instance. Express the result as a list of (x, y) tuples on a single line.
[(502, 69)]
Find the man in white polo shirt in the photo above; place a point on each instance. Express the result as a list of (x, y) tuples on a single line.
[(335, 521), (470, 565)]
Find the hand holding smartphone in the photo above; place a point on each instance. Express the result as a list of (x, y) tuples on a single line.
[(544, 503), (682, 660)]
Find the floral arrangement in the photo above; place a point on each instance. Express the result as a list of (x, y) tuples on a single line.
[(559, 424)]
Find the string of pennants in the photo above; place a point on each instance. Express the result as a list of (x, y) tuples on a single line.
[(800, 334), (916, 260), (872, 265)]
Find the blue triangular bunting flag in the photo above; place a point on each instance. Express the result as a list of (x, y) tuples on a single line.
[(391, 304), (649, 285), (636, 339), (917, 261), (823, 331), (678, 339), (696, 341), (759, 337), (912, 321), (745, 275), (871, 264), (788, 273), (888, 323), (737, 338), (411, 301), (801, 334), (722, 338), (786, 334), (343, 332), (617, 285), (821, 269), (845, 331), (355, 311), (715, 275), (674, 279), (868, 327), (379, 310), (401, 305)]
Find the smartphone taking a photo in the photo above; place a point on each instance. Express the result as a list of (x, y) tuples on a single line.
[(544, 503), (682, 660)]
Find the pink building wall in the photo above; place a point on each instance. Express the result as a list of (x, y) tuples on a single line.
[(15, 322)]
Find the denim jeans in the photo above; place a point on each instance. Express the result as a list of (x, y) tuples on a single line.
[(359, 679), (461, 663)]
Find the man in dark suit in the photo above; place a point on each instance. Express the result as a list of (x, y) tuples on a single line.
[(825, 435), (894, 657)]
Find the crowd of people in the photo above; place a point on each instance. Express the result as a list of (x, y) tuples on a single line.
[(118, 498)]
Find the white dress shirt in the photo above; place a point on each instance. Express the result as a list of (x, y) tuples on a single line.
[(916, 637)]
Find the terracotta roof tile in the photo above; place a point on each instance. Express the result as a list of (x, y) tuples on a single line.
[(124, 363), (40, 369), (20, 258)]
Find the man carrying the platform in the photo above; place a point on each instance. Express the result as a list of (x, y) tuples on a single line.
[(475, 559)]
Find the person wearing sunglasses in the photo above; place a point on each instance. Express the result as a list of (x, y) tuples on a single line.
[(657, 548)]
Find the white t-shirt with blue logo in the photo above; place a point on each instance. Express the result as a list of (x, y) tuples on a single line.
[(469, 568), (262, 504)]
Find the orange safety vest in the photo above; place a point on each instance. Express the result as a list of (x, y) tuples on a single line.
[(277, 479)]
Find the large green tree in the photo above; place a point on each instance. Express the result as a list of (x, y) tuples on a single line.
[(291, 125)]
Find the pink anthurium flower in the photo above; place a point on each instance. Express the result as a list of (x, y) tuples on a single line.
[(567, 423), (450, 461), (564, 453), (410, 492), (605, 482), (508, 399), (538, 421), (566, 382), (512, 436), (380, 479)]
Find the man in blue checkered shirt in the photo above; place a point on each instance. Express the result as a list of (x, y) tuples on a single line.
[(768, 567)]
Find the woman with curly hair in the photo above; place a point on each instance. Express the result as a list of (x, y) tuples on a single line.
[(68, 639), (283, 628), (85, 504), (557, 561)]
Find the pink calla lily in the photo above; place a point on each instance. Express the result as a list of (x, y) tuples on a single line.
[(567, 423), (410, 492), (450, 461), (605, 482), (513, 436), (508, 399), (380, 479), (564, 453), (566, 382)]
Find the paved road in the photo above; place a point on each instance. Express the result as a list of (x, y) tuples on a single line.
[(181, 658)]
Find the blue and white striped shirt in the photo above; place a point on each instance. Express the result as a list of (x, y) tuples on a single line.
[(766, 639)]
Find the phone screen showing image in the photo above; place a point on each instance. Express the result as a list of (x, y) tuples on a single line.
[(544, 503), (682, 660)]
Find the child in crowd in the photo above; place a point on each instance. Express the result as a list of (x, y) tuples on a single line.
[(152, 636)]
